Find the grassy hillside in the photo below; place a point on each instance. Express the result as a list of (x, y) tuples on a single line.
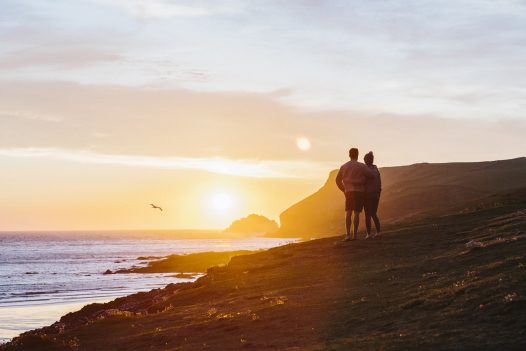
[(418, 287), (408, 191)]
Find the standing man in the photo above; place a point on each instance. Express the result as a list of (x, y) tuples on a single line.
[(351, 180)]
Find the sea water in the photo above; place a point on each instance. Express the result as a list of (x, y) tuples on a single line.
[(46, 275)]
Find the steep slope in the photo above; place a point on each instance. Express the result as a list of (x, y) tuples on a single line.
[(418, 287), (407, 191)]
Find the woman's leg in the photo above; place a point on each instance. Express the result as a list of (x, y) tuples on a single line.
[(368, 224), (376, 220), (376, 224)]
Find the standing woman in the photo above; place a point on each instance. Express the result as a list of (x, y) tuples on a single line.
[(373, 188)]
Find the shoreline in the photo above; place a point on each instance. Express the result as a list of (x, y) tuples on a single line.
[(36, 315), (39, 313), (22, 315)]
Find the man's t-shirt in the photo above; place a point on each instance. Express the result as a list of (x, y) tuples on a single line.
[(352, 175)]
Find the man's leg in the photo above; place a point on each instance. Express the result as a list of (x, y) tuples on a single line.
[(348, 220), (356, 223)]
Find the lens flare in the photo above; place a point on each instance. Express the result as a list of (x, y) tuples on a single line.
[(303, 144)]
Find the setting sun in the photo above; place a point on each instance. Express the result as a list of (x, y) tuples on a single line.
[(221, 202)]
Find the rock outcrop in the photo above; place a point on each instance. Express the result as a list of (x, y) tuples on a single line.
[(253, 224)]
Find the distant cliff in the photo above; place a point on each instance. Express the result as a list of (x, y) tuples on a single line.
[(408, 191), (253, 224)]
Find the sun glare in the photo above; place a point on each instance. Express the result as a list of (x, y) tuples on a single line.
[(221, 202), (303, 144)]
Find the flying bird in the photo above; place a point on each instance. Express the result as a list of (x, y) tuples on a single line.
[(157, 207)]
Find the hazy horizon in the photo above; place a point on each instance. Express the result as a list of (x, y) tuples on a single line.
[(217, 109)]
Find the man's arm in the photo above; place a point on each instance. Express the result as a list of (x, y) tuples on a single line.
[(339, 181)]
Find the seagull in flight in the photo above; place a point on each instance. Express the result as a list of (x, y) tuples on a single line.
[(157, 207)]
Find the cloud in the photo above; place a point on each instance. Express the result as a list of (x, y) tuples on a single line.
[(59, 56), (363, 56), (116, 120), (218, 165), (30, 115), (164, 9), (101, 135)]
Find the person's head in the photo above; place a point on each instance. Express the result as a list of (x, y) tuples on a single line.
[(353, 154), (368, 158)]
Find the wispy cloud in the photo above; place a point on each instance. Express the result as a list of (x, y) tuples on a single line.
[(163, 9), (369, 56), (218, 165), (30, 115), (56, 56)]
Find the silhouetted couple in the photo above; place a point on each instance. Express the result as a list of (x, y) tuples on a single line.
[(362, 186)]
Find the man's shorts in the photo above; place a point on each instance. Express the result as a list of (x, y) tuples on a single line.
[(371, 203), (354, 201)]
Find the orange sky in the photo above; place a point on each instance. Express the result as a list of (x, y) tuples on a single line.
[(218, 109), (61, 174)]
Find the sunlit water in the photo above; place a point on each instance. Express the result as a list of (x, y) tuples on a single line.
[(45, 275)]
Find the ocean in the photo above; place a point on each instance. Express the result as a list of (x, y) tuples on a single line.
[(44, 275)]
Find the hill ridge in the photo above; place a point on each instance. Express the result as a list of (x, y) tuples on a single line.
[(408, 191)]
